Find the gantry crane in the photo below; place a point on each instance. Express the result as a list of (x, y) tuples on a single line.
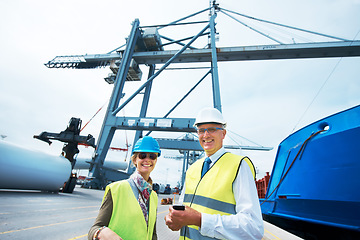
[(144, 47)]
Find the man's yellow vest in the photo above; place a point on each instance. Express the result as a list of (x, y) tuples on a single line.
[(212, 194), (127, 219)]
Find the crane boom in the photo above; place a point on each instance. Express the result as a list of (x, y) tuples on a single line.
[(242, 53)]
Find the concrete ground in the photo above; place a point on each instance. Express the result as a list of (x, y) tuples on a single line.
[(42, 215)]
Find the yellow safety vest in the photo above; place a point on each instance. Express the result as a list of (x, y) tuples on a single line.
[(127, 219), (212, 194)]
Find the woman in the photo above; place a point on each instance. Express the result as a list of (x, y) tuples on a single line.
[(128, 210)]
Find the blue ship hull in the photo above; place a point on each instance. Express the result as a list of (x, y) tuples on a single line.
[(314, 189)]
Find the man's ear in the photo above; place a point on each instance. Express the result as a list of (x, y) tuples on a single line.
[(224, 133)]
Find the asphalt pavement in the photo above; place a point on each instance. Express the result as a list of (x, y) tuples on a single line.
[(51, 216)]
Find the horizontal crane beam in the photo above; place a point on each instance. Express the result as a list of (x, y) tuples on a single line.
[(194, 145), (261, 52), (243, 53), (258, 148), (179, 144), (156, 124)]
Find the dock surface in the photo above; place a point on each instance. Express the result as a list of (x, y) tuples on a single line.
[(41, 215)]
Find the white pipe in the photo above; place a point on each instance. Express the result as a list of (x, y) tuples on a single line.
[(83, 163), (26, 169)]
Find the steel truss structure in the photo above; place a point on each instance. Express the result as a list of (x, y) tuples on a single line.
[(144, 46)]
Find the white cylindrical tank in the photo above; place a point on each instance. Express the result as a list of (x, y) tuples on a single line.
[(83, 163), (26, 169)]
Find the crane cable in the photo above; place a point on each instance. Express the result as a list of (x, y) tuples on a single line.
[(302, 148), (312, 135), (322, 86), (93, 116), (126, 138)]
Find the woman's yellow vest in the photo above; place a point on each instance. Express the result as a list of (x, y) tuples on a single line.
[(212, 194), (127, 219)]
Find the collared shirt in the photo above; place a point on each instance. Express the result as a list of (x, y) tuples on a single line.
[(247, 223)]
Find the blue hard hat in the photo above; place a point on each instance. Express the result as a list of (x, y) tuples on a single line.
[(147, 144)]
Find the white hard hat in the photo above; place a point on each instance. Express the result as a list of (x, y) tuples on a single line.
[(210, 115)]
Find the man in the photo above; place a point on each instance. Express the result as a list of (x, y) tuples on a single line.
[(223, 203)]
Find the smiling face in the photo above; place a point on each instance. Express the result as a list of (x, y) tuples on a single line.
[(211, 142), (144, 165)]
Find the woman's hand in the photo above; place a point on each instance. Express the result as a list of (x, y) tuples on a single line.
[(108, 234)]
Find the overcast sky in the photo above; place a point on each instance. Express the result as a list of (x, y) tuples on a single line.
[(263, 101)]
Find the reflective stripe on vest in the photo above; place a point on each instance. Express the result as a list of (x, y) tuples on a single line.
[(213, 193), (127, 219), (191, 233)]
